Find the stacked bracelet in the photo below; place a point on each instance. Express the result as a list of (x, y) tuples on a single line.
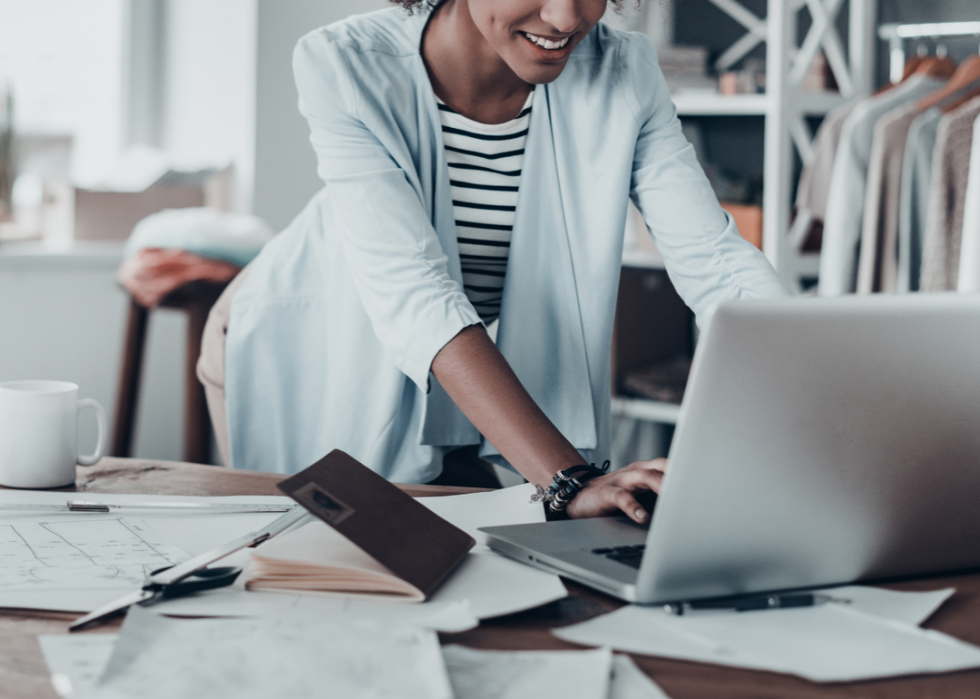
[(565, 485)]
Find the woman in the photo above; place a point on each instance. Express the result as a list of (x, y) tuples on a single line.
[(362, 326)]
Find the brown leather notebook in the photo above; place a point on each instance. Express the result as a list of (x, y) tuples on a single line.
[(403, 535)]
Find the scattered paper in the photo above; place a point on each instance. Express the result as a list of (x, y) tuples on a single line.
[(910, 607), (115, 552), (826, 643), (488, 584), (161, 658), (451, 616), (493, 584), (495, 508), (629, 682), (54, 562), (76, 661), (489, 674), (484, 585), (116, 557), (496, 586)]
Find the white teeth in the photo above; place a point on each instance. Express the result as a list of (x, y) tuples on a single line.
[(545, 43)]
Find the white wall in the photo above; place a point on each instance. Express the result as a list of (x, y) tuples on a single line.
[(209, 95), (285, 167), (63, 316)]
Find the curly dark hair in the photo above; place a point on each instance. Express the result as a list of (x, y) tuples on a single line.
[(412, 5)]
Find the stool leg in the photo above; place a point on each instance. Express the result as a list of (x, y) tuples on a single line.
[(127, 395), (197, 421)]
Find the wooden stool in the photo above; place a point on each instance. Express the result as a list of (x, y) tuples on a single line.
[(196, 299)]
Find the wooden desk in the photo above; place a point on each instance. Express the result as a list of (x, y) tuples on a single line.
[(23, 673)]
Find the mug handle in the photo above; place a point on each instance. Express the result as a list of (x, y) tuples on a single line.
[(100, 446)]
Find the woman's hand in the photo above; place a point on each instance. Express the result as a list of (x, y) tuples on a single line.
[(608, 494)]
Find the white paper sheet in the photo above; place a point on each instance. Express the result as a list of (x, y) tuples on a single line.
[(176, 534), (56, 562), (912, 608), (161, 658), (484, 585), (495, 508), (826, 643), (495, 586), (629, 682), (489, 584), (76, 661), (488, 674)]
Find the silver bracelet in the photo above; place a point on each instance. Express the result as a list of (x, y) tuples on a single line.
[(565, 485)]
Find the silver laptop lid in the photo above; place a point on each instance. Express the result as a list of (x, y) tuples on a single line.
[(823, 441)]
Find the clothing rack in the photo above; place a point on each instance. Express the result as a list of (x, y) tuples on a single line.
[(896, 34)]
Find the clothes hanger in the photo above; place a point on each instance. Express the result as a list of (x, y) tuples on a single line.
[(911, 65), (969, 76), (939, 66), (961, 84)]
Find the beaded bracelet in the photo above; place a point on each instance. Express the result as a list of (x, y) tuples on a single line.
[(565, 485)]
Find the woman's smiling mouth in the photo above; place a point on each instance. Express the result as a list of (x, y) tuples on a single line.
[(544, 43)]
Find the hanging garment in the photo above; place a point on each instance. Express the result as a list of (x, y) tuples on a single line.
[(845, 203), (950, 170), (814, 186), (969, 279), (878, 262), (914, 199), (962, 86)]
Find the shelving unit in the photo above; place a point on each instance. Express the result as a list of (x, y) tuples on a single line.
[(713, 104), (785, 108)]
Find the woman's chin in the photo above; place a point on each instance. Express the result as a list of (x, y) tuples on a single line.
[(536, 73)]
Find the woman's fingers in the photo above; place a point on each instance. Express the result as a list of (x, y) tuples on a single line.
[(659, 465), (607, 494), (600, 499), (639, 479), (628, 504), (642, 475)]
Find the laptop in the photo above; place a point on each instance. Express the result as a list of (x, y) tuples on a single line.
[(820, 442)]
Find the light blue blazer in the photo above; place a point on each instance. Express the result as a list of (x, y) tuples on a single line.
[(332, 336)]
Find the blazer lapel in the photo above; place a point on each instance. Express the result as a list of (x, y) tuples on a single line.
[(541, 331)]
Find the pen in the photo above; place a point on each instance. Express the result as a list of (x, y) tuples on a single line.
[(195, 507), (753, 603)]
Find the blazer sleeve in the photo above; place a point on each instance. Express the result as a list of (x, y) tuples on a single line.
[(394, 255), (707, 259)]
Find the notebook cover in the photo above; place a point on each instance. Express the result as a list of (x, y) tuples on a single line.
[(414, 543)]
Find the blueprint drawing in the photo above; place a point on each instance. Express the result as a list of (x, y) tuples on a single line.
[(85, 553)]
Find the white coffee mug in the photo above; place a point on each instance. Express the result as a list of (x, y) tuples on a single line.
[(38, 433)]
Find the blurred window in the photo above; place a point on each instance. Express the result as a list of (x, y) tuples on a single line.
[(64, 60)]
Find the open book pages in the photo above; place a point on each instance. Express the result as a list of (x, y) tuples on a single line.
[(315, 558)]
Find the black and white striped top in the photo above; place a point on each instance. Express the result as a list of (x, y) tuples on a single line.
[(484, 173)]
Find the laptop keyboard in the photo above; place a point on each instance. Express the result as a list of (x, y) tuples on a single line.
[(627, 555)]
